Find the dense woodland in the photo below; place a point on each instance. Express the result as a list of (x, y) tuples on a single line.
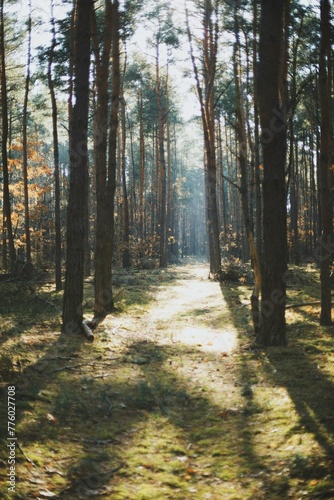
[(166, 175), (101, 168)]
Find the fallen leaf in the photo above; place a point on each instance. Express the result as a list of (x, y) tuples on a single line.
[(314, 482), (190, 471)]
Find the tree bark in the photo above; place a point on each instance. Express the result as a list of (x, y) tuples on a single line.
[(103, 298), (25, 149), (161, 164), (141, 168), (206, 99), (126, 261), (325, 174), (78, 191), (257, 176), (242, 157), (104, 302), (272, 107), (58, 250), (8, 228)]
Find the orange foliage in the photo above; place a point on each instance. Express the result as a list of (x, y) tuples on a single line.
[(39, 192)]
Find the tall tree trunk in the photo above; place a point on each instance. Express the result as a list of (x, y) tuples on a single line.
[(206, 99), (161, 163), (245, 202), (272, 108), (58, 250), (78, 192), (293, 184), (25, 149), (8, 228), (103, 298), (88, 263), (258, 191), (71, 67), (126, 262), (325, 173), (141, 168), (175, 202), (169, 228)]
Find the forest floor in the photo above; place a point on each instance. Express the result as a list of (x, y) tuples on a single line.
[(172, 400)]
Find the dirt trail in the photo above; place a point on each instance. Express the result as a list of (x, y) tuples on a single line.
[(189, 309), (188, 321)]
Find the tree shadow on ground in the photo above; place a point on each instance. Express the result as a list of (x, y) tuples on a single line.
[(91, 436), (300, 369), (131, 422), (33, 396)]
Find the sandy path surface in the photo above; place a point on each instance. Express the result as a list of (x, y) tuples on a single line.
[(189, 309)]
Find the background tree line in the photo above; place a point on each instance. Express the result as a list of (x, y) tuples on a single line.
[(259, 189)]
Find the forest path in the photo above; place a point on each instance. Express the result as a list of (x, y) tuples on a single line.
[(187, 325), (188, 308)]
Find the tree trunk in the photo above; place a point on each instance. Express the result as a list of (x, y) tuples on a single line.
[(25, 149), (257, 176), (78, 192), (141, 169), (169, 228), (126, 262), (55, 156), (103, 298), (103, 286), (161, 163), (8, 228), (272, 108), (207, 104), (242, 141), (325, 173)]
